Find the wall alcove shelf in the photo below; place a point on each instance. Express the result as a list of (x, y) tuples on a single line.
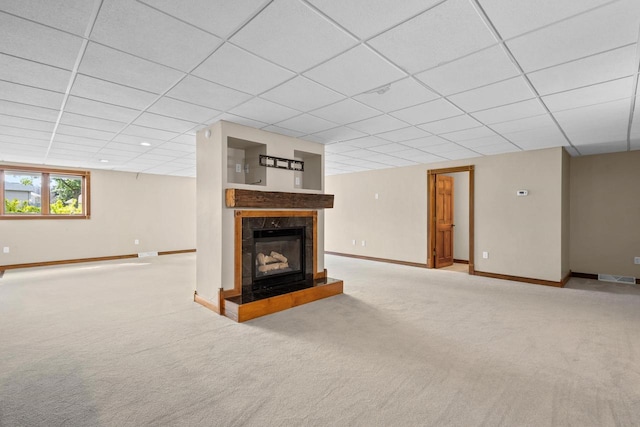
[(238, 198)]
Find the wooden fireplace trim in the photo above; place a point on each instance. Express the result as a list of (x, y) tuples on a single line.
[(239, 198), (239, 215)]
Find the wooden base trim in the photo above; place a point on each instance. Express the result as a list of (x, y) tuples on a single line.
[(181, 251), (252, 310), (320, 275), (520, 279), (205, 302), (586, 276), (461, 261), (369, 258), (79, 260)]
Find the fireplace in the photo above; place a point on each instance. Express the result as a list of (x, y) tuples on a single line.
[(275, 252), (278, 257)]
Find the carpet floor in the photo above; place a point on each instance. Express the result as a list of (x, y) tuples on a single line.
[(122, 344)]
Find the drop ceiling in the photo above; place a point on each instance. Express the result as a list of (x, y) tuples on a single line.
[(382, 84)]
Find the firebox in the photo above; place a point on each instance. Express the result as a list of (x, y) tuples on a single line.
[(278, 257)]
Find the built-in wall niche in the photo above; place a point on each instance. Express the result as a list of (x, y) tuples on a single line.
[(311, 177), (243, 162)]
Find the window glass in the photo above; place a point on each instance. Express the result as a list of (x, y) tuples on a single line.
[(65, 195), (22, 193)]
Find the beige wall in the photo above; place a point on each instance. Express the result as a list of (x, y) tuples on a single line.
[(521, 234), (157, 210), (566, 214), (605, 213)]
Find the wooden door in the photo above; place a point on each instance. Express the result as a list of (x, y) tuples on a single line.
[(444, 221)]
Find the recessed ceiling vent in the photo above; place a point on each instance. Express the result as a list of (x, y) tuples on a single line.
[(617, 279)]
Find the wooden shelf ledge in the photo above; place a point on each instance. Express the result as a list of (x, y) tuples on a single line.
[(238, 198)]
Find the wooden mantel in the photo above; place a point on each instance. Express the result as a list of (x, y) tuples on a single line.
[(238, 198)]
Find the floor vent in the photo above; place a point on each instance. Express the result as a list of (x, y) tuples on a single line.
[(146, 254), (617, 279)]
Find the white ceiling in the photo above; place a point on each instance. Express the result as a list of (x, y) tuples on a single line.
[(382, 83)]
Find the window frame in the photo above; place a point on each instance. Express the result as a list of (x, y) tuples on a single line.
[(46, 191)]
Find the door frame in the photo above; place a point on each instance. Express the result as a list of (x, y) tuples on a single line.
[(431, 212)]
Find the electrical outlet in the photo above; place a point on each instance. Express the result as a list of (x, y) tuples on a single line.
[(136, 242), (297, 181), (238, 168), (636, 260), (485, 255), (353, 242), (5, 250), (376, 196), (364, 243)]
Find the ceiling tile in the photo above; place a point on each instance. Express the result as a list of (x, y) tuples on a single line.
[(535, 122), (147, 132), (22, 123), (181, 148), (282, 131), (404, 134), (512, 18), (517, 110), (355, 71), (205, 93), (428, 142), (183, 110), (119, 146), (298, 37), (84, 132), (28, 111), (302, 94), (378, 124), (459, 154), (238, 69), (341, 133), (451, 124), (150, 34), (339, 148), (91, 122), (30, 95), (367, 142), (35, 42), (365, 18), (74, 19), (486, 141), (185, 139), (389, 148), (596, 94), (418, 156), (448, 31), (218, 17), (490, 150), (164, 123), (603, 29), (8, 131), (31, 73), (100, 109), (493, 95), (307, 123), (596, 123), (31, 144), (79, 140), (119, 67), (473, 133), (587, 71), (345, 111), (136, 140), (68, 147), (112, 93), (539, 138), (240, 120), (264, 111), (603, 148), (401, 94), (391, 160), (478, 69), (428, 112)]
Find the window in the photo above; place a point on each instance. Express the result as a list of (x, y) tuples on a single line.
[(36, 193)]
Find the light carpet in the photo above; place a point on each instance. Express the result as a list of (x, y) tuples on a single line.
[(122, 344)]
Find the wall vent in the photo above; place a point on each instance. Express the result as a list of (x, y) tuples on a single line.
[(617, 279)]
